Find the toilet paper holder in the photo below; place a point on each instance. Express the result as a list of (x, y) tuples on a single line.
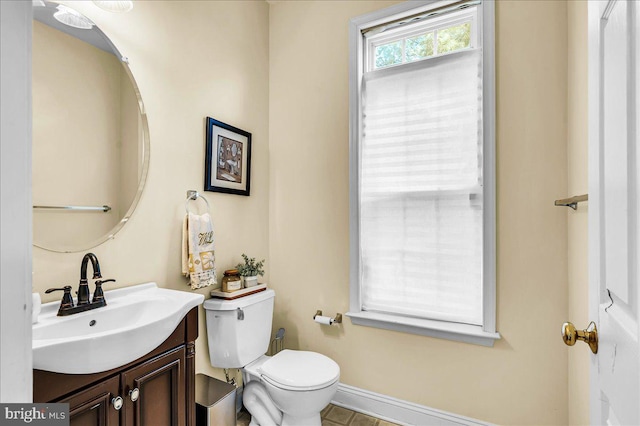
[(336, 319)]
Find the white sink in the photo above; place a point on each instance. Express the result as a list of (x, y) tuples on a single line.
[(135, 321)]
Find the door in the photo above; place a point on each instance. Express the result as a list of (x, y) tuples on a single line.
[(97, 406), (154, 391), (613, 212), (15, 199)]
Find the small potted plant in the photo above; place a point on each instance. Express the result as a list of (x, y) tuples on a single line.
[(250, 270)]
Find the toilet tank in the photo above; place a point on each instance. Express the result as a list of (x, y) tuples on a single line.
[(239, 331)]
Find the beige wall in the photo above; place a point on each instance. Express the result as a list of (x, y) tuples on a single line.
[(191, 59), (523, 379), (577, 220)]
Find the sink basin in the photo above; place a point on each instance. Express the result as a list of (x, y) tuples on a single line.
[(135, 321)]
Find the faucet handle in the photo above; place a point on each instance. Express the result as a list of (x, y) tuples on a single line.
[(67, 300), (98, 294)]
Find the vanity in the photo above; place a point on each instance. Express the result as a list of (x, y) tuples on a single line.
[(156, 389), (115, 365)]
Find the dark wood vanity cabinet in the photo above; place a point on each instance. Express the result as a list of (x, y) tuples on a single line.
[(157, 389), (161, 385), (93, 406)]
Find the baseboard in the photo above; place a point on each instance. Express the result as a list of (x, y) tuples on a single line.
[(395, 410)]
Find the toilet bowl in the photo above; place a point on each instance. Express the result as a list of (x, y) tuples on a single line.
[(300, 384), (287, 389)]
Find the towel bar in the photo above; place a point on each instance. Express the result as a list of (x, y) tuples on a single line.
[(104, 208), (572, 202), (192, 196)]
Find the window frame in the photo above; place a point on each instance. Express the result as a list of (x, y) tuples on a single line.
[(429, 26), (486, 333)]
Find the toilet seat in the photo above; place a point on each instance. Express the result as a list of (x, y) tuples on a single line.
[(300, 370)]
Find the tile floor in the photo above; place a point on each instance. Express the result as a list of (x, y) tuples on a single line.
[(332, 415), (243, 418)]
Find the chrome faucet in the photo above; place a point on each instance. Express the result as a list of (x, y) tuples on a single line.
[(83, 287), (66, 306)]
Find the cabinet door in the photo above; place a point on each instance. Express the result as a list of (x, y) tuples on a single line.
[(160, 396), (94, 406)]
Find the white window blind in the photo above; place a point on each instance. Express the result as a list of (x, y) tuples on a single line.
[(420, 177)]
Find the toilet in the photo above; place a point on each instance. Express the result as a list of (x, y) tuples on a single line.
[(287, 389)]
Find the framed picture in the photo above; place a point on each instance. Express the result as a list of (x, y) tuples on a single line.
[(227, 166)]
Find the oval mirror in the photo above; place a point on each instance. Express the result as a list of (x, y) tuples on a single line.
[(90, 133)]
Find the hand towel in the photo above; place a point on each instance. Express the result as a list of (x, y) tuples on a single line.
[(198, 250)]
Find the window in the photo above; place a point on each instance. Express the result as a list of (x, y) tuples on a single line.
[(422, 170), (421, 41)]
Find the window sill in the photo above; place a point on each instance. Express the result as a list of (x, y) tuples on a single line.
[(466, 333)]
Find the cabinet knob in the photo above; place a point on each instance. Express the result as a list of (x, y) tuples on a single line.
[(117, 402), (134, 394)]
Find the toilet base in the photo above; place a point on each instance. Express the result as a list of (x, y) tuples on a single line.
[(265, 413), (258, 403), (313, 420)]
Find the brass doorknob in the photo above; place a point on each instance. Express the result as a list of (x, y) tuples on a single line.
[(589, 335)]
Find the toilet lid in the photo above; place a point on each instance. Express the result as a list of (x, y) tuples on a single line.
[(300, 370)]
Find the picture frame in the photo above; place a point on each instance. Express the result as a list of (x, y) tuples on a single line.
[(227, 166)]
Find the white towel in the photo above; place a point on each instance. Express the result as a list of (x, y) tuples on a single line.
[(198, 250)]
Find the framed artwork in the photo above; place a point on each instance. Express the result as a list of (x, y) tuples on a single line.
[(227, 166)]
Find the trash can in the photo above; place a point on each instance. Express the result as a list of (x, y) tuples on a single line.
[(215, 402)]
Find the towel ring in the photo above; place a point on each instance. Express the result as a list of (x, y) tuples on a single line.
[(192, 196)]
